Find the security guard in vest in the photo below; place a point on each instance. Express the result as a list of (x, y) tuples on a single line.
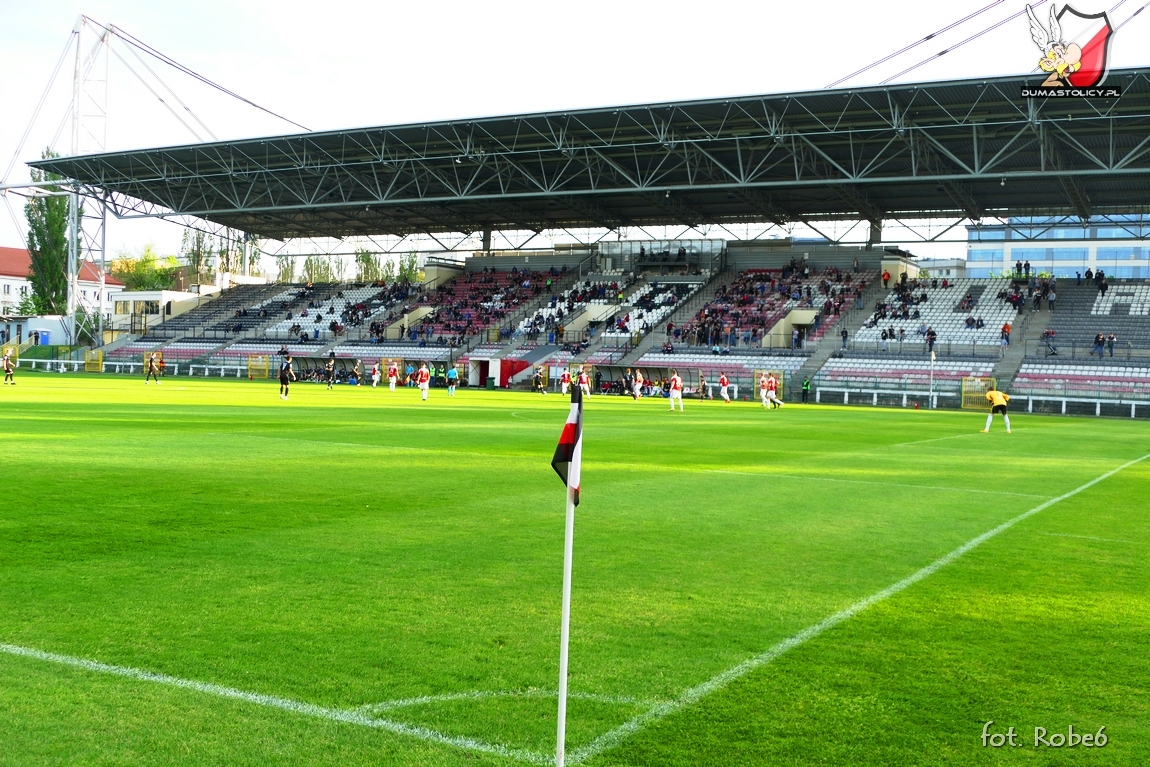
[(806, 388)]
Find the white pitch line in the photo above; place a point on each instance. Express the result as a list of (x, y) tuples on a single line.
[(935, 439), (1092, 538), (768, 474), (719, 681), (284, 704), (496, 694)]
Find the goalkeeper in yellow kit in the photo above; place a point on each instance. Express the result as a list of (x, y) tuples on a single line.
[(997, 402)]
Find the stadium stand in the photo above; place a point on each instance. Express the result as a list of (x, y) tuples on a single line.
[(373, 352), (965, 311), (650, 305), (895, 373), (255, 315), (745, 310), (133, 352), (738, 367), (1083, 311), (563, 308), (186, 351), (470, 303), (322, 315), (1109, 379), (196, 321)]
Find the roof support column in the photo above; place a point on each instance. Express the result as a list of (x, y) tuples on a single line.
[(487, 239), (875, 236)]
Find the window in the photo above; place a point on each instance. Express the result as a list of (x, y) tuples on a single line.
[(979, 235), (1070, 254), (1122, 254), (1118, 232), (982, 254), (145, 307), (978, 273), (123, 307), (7, 289)]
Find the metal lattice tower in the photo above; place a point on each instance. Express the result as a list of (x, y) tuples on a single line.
[(88, 215)]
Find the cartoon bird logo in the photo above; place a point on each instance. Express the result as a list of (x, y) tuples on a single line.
[(1060, 59)]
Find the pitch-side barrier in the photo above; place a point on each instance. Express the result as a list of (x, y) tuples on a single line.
[(932, 397), (136, 368)]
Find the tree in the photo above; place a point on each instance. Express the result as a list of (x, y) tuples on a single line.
[(368, 266), (409, 267), (387, 271), (229, 258), (29, 306), (319, 269), (147, 271), (48, 244), (286, 267), (197, 253)]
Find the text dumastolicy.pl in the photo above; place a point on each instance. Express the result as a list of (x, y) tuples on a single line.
[(1044, 738)]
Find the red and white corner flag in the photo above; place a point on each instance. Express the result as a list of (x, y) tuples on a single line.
[(567, 463), (569, 451)]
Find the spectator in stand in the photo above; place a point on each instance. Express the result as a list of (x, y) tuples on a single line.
[(1110, 341), (1050, 299), (1099, 342), (844, 334), (885, 279), (931, 338)]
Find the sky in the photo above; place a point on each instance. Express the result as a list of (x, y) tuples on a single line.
[(346, 63)]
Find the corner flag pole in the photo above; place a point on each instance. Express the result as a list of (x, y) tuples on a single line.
[(565, 628), (567, 462)]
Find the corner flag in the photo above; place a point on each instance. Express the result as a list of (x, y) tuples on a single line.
[(569, 451), (567, 460)]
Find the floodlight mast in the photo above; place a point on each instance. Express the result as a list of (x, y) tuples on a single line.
[(89, 133)]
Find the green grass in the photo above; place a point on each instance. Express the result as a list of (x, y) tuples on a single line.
[(354, 548)]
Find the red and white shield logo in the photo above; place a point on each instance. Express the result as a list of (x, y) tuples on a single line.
[(1092, 33)]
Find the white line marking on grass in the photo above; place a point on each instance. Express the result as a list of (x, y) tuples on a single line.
[(767, 474), (284, 704), (1091, 538), (719, 681), (938, 439), (422, 700)]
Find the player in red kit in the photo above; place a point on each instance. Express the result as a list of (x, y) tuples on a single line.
[(773, 392), (423, 380), (584, 382), (392, 375), (724, 383), (565, 381), (676, 392)]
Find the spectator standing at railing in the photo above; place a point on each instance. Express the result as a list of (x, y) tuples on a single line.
[(845, 335), (1110, 341), (1099, 341)]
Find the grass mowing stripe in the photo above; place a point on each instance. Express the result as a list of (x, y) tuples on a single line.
[(284, 704), (719, 681), (1092, 538), (867, 482)]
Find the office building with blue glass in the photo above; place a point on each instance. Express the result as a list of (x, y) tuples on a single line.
[(1063, 247)]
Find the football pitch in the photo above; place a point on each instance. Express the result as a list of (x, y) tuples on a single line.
[(201, 573)]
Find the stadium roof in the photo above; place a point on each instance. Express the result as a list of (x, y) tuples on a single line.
[(969, 148)]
